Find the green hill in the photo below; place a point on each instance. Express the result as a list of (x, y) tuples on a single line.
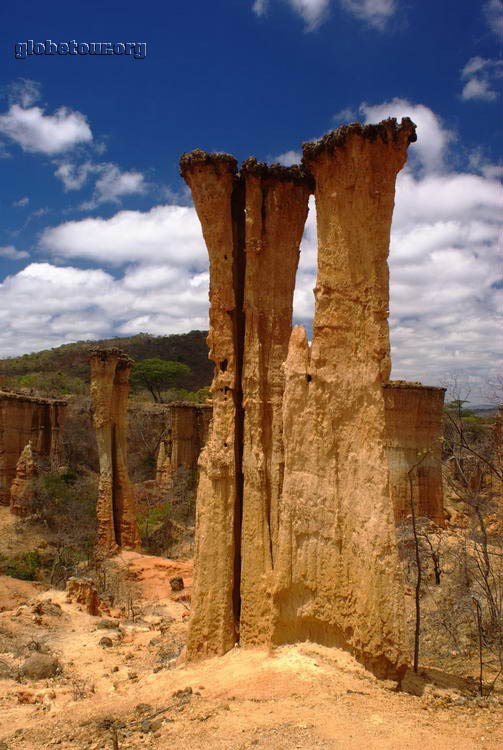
[(71, 360)]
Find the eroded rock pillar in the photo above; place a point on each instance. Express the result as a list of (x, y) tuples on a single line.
[(219, 202), (413, 430), (276, 202), (21, 491), (339, 577), (115, 508)]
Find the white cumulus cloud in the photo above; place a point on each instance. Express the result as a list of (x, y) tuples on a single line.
[(481, 75), (432, 137), (21, 202), (166, 234), (375, 13), (10, 252), (289, 158), (494, 14), (37, 132)]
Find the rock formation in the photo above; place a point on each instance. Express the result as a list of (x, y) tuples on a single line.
[(294, 492), (83, 591), (179, 451), (21, 491), (23, 419), (115, 508), (413, 431)]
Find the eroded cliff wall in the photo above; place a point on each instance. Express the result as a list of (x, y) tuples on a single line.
[(115, 508), (23, 419), (413, 431)]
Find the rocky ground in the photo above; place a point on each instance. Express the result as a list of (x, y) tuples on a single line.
[(74, 681)]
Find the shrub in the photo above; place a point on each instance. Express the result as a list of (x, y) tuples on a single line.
[(24, 567)]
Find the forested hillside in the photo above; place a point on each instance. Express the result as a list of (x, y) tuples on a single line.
[(68, 364)]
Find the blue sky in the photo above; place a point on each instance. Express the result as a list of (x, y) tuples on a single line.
[(98, 235)]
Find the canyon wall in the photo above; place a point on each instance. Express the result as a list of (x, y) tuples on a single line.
[(413, 430), (294, 491), (115, 508), (23, 419)]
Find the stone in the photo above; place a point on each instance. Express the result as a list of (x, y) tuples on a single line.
[(116, 507), (83, 591), (107, 625), (176, 583), (413, 418), (26, 418), (21, 491), (47, 607), (40, 666), (105, 642), (6, 671)]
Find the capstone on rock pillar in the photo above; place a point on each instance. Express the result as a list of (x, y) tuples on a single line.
[(115, 508)]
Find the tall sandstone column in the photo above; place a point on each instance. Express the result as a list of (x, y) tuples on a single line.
[(413, 430), (219, 201), (339, 578), (276, 202), (115, 508)]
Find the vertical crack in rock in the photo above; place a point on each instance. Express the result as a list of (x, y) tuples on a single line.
[(22, 419), (214, 627), (276, 212), (115, 507), (413, 429), (339, 580)]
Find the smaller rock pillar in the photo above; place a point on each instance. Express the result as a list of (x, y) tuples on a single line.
[(413, 415), (115, 509), (21, 491)]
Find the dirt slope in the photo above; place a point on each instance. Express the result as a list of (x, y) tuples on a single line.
[(300, 696)]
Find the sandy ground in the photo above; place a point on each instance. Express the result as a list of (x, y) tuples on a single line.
[(137, 693)]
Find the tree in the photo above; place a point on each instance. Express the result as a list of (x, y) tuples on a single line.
[(157, 375)]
